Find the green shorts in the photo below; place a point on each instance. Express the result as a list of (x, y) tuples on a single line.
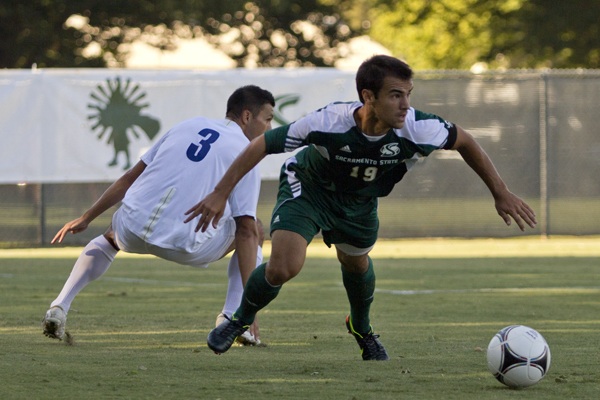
[(307, 209)]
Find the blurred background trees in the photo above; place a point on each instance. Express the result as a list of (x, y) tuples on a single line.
[(500, 33), (443, 34)]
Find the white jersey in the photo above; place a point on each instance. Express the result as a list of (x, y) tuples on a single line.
[(183, 167)]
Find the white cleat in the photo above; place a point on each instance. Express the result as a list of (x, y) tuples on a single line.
[(54, 323), (245, 339)]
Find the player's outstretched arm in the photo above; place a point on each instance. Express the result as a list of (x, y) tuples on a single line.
[(109, 198), (212, 207), (508, 205)]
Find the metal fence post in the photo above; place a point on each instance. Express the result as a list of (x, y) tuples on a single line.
[(42, 214), (544, 218)]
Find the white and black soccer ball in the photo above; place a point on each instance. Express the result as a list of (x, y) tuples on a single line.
[(518, 356)]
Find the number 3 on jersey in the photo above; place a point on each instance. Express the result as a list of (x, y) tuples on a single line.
[(197, 152)]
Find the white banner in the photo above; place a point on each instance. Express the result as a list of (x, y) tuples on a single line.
[(90, 125)]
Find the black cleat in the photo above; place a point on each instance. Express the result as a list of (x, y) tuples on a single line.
[(370, 346), (222, 337)]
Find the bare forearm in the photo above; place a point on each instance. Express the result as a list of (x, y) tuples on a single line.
[(115, 192), (244, 162), (507, 204), (480, 162), (483, 166), (112, 196), (211, 208)]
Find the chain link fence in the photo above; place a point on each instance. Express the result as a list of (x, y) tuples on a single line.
[(539, 127)]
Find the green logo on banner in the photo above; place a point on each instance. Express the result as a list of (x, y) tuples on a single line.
[(281, 102), (116, 116)]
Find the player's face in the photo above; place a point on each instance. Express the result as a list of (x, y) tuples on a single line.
[(392, 103), (261, 122)]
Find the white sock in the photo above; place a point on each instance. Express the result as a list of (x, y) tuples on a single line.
[(94, 260), (235, 289)]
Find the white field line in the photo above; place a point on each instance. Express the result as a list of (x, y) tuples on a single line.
[(161, 282), (579, 289)]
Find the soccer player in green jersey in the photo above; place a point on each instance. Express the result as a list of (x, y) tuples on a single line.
[(353, 153)]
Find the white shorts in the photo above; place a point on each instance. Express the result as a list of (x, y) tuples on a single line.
[(352, 250), (211, 250)]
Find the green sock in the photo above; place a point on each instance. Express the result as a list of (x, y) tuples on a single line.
[(360, 289), (257, 294)]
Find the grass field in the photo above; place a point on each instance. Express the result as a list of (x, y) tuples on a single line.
[(139, 332)]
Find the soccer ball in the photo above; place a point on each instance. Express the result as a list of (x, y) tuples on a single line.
[(518, 356)]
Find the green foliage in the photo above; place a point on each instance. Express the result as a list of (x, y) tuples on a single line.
[(139, 332), (443, 34), (279, 33), (504, 34), (434, 35), (550, 34), (37, 31)]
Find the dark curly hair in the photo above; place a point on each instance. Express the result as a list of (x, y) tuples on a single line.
[(372, 71)]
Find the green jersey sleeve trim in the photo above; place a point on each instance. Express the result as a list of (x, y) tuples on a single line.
[(275, 139)]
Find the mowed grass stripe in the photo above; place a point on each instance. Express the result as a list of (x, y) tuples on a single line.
[(526, 246)]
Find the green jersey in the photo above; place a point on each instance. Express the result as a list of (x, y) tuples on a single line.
[(342, 159)]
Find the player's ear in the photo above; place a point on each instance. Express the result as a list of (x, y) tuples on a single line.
[(246, 116), (368, 95)]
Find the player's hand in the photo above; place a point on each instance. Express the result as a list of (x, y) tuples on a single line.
[(254, 329), (210, 209), (511, 206), (77, 225)]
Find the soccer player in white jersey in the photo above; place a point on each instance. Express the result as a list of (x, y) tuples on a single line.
[(355, 152), (181, 167)]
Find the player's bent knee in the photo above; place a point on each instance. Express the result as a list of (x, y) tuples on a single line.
[(278, 274)]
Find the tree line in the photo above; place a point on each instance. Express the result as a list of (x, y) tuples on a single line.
[(445, 34)]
